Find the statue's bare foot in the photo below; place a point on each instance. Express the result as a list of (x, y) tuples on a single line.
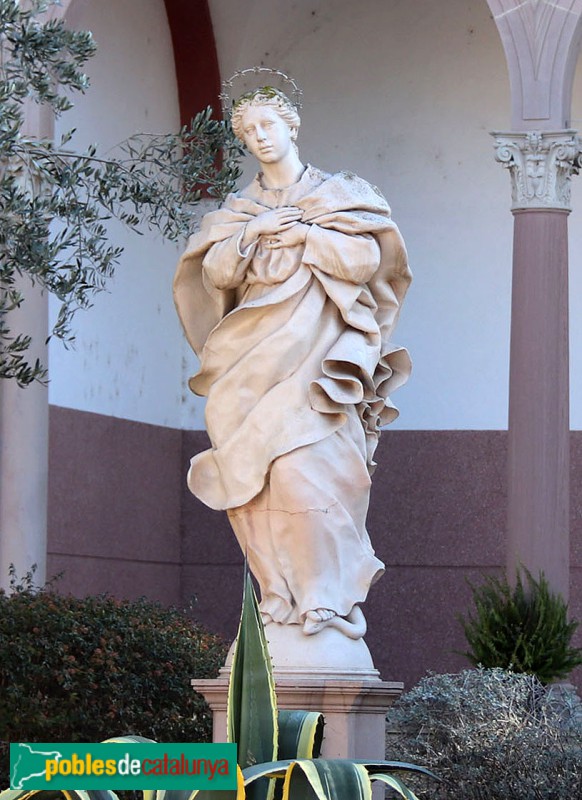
[(317, 619), (354, 625)]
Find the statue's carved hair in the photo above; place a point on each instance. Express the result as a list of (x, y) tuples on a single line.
[(265, 96)]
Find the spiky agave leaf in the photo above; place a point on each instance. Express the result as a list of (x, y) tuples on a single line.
[(92, 794), (252, 703), (383, 771), (374, 767), (300, 734), (337, 779), (251, 713), (394, 783), (333, 779), (272, 769)]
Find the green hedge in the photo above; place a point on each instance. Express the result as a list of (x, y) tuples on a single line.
[(76, 670)]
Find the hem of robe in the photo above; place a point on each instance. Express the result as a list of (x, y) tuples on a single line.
[(282, 612)]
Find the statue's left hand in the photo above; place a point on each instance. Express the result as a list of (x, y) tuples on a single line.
[(294, 235)]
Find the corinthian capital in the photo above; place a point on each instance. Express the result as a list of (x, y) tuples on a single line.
[(541, 165)]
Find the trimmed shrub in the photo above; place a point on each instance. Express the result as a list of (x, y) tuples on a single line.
[(490, 734), (76, 670), (523, 628)]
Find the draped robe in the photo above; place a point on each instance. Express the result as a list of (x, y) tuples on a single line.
[(297, 364)]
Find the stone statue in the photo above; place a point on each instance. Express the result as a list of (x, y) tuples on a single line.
[(289, 294)]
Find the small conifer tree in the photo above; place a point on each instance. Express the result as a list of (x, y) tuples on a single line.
[(524, 628)]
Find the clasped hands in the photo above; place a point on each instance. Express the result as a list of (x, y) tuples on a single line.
[(279, 227)]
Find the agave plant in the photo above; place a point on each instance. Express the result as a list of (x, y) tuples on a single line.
[(285, 745), (278, 751)]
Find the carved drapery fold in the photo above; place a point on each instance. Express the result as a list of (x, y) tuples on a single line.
[(541, 165)]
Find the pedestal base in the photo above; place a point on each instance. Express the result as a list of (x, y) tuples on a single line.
[(327, 654), (354, 708), (326, 672)]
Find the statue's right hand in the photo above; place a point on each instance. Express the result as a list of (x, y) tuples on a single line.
[(271, 222)]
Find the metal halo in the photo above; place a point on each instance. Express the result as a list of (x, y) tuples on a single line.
[(225, 96)]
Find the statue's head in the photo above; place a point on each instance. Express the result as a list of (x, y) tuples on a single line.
[(265, 96)]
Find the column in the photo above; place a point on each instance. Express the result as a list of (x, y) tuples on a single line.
[(541, 165), (24, 455), (24, 426)]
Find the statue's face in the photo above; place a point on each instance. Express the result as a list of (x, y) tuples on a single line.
[(266, 135)]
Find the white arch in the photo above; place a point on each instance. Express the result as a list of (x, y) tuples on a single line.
[(541, 40)]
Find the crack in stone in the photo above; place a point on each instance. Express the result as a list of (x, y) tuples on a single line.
[(286, 511)]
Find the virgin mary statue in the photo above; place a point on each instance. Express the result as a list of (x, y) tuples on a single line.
[(289, 294)]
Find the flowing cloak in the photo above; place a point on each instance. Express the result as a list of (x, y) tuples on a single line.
[(257, 340), (295, 352)]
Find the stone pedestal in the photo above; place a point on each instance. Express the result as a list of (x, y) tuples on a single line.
[(347, 690), (354, 710)]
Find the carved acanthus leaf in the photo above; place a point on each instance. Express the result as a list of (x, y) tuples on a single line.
[(541, 165)]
